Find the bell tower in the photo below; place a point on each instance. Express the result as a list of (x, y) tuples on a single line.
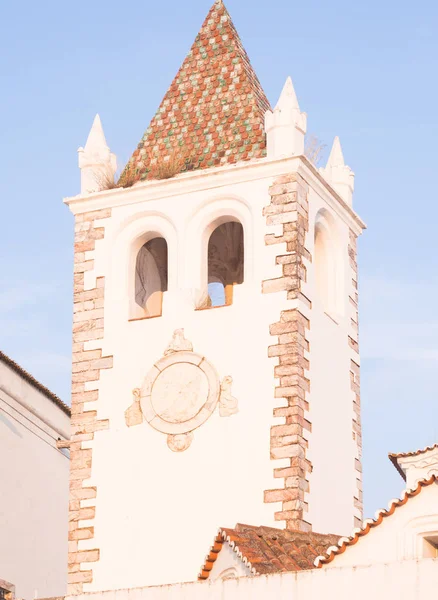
[(215, 335)]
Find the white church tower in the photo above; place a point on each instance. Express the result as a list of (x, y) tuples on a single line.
[(215, 336)]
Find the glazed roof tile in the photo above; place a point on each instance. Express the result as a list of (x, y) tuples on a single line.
[(213, 113), (267, 550)]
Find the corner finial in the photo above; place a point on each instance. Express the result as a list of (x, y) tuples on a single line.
[(96, 141), (288, 97), (96, 162), (336, 158), (338, 174), (286, 126)]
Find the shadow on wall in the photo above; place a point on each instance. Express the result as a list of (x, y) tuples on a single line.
[(10, 426)]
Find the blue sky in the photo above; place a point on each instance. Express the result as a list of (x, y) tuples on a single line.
[(365, 71)]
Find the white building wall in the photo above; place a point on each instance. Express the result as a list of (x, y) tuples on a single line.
[(33, 489), (331, 449), (408, 580), (399, 537), (150, 499), (228, 565), (421, 465), (145, 491)]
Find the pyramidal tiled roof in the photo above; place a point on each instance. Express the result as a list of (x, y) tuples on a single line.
[(213, 113)]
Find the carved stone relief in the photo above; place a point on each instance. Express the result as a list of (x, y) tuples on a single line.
[(180, 393), (227, 404), (133, 415)]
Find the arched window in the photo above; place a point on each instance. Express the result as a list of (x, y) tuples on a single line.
[(230, 573), (151, 277), (225, 263), (322, 266), (326, 264), (429, 546)]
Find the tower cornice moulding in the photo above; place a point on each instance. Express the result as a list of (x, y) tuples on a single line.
[(216, 178), (331, 196)]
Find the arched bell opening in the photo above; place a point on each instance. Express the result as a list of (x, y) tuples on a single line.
[(151, 277)]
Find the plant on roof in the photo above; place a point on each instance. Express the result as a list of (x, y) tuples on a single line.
[(129, 176), (314, 149), (105, 179), (177, 161)]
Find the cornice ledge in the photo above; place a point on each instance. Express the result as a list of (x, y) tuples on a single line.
[(194, 181), (418, 459), (216, 177), (333, 199)]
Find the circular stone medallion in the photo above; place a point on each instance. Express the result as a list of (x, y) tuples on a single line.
[(179, 392)]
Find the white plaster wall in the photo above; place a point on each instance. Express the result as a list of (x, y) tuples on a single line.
[(409, 580), (332, 450), (420, 466), (228, 562), (150, 501), (33, 489), (149, 498), (399, 536)]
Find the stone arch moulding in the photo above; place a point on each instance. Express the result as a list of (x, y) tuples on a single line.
[(201, 225), (410, 543), (329, 265), (131, 237), (230, 573)]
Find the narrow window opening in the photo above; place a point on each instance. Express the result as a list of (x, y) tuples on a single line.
[(328, 266), (430, 546), (323, 271), (151, 277), (225, 263), (216, 293), (7, 590)]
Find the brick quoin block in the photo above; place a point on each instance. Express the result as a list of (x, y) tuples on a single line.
[(88, 324), (289, 207), (353, 342)]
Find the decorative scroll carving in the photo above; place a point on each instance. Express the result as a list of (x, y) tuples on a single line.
[(178, 343), (227, 403), (134, 415), (180, 442)]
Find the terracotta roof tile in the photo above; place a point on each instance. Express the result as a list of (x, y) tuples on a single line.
[(213, 113), (369, 524), (36, 384), (394, 457), (268, 550)]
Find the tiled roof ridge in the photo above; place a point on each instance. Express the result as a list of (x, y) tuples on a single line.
[(34, 382), (232, 538), (369, 524), (394, 456), (214, 109)]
